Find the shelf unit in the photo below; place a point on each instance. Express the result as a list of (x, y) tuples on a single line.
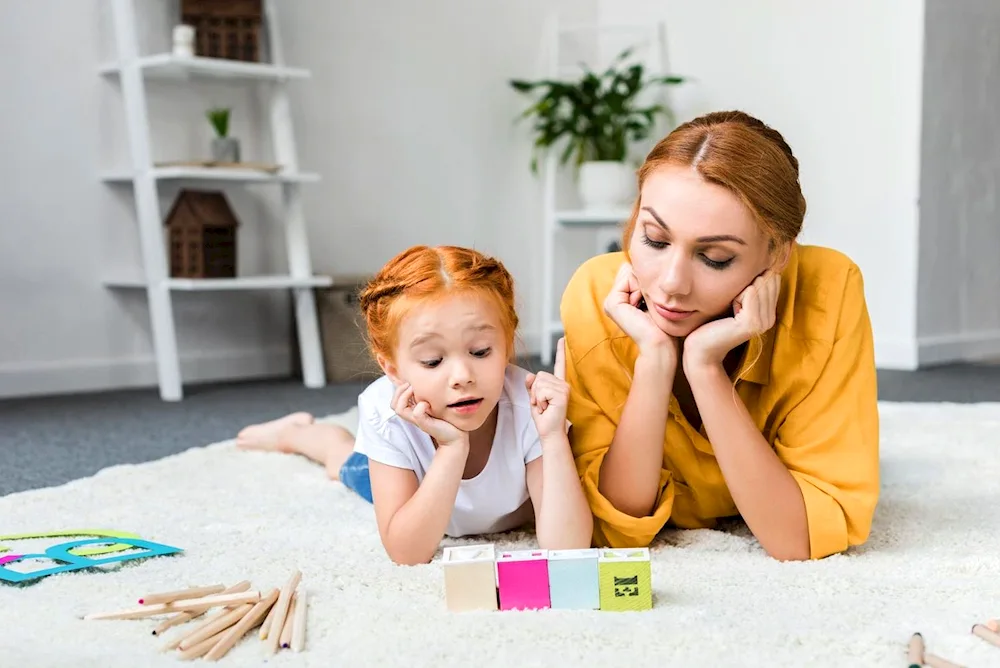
[(556, 218), (133, 71), (169, 66)]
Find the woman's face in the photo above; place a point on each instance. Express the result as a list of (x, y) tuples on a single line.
[(694, 249)]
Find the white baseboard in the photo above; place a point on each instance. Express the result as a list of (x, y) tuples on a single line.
[(964, 347), (92, 375), (898, 354)]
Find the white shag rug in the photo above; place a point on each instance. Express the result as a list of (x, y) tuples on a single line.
[(932, 565)]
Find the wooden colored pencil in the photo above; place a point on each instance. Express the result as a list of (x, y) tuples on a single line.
[(286, 631), (182, 617), (176, 641), (251, 619), (935, 661), (186, 605), (202, 648), (986, 634), (299, 625), (278, 623), (266, 626), (211, 628), (190, 592), (915, 651)]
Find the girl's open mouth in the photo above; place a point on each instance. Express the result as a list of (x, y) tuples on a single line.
[(466, 405)]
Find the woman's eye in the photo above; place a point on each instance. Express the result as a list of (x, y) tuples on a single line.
[(481, 353), (658, 245), (717, 264)]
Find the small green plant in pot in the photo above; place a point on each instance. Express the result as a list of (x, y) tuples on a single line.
[(596, 119), (224, 147)]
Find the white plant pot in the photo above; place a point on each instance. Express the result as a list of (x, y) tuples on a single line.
[(606, 184), (226, 149)]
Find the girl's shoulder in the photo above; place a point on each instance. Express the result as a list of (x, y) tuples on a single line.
[(375, 402), (515, 389)]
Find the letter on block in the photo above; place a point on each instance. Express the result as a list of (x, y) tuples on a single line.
[(625, 579), (470, 580), (523, 577), (573, 579)]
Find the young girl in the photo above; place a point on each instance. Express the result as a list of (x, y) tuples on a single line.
[(453, 439)]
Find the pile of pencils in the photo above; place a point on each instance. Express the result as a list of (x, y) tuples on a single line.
[(280, 614)]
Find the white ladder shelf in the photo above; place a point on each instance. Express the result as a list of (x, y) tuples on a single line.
[(133, 71), (554, 217)]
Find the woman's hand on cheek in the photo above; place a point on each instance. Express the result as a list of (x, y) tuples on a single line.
[(754, 312), (621, 305), (406, 406)]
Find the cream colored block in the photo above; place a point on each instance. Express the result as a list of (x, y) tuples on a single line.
[(470, 577)]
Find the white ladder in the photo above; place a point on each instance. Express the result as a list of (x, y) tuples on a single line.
[(134, 70), (556, 218)]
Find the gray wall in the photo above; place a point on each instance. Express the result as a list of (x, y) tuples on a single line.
[(958, 305)]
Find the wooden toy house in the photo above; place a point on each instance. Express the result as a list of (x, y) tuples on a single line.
[(202, 236), (225, 28)]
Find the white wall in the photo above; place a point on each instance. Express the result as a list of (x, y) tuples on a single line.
[(841, 80), (958, 310), (408, 118)]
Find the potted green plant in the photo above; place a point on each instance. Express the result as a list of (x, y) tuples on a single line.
[(598, 118), (224, 147)]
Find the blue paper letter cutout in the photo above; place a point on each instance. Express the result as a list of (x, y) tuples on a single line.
[(74, 562)]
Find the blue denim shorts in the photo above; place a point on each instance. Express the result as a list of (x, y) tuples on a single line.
[(354, 474)]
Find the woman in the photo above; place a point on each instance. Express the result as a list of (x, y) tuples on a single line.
[(718, 368)]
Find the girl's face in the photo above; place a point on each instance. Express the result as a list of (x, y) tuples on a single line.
[(453, 352), (694, 249)]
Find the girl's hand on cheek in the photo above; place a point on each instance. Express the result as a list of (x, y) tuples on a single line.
[(417, 412)]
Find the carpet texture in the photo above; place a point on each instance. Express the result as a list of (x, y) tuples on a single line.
[(932, 565)]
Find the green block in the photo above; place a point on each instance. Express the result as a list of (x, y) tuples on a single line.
[(625, 580)]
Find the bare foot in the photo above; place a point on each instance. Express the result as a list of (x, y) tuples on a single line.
[(268, 435)]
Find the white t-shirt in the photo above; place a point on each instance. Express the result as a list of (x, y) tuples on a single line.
[(495, 500)]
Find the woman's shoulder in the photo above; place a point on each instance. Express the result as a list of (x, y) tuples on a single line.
[(582, 306), (823, 293)]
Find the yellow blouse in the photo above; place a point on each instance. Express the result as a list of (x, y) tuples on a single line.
[(811, 392)]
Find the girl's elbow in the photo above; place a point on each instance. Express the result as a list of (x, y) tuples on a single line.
[(405, 557), (408, 559)]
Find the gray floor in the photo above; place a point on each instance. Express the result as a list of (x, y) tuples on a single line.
[(51, 440)]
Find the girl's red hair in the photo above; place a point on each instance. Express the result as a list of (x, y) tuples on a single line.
[(421, 274)]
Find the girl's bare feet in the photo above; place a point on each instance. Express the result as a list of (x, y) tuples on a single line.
[(272, 435)]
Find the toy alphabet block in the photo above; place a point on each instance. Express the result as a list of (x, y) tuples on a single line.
[(625, 579), (523, 578), (470, 580), (573, 579)]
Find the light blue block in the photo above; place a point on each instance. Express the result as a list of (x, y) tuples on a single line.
[(573, 579)]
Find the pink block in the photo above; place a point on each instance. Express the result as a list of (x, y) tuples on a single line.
[(523, 576)]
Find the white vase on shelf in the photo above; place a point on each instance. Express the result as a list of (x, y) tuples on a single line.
[(183, 41), (605, 184)]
